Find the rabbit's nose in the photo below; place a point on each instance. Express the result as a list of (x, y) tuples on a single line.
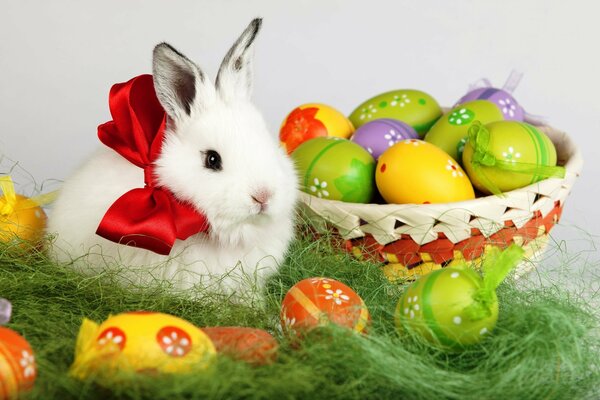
[(262, 198)]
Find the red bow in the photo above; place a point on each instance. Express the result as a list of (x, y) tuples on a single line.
[(150, 217)]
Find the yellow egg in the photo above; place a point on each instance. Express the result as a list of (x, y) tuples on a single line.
[(21, 219), (414, 171), (143, 342)]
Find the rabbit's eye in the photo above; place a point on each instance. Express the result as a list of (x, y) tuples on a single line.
[(212, 160)]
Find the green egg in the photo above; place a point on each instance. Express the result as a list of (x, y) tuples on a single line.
[(516, 145), (436, 307), (414, 107), (449, 130), (335, 169)]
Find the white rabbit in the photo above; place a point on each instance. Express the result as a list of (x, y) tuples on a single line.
[(247, 190)]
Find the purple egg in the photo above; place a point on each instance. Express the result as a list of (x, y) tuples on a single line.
[(503, 99), (377, 135)]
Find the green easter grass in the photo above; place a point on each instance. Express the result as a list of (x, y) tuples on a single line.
[(546, 344)]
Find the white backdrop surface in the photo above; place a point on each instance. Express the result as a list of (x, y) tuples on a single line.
[(58, 60)]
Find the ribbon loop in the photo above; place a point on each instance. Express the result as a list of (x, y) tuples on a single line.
[(151, 217)]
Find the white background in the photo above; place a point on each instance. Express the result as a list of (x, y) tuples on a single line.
[(58, 60)]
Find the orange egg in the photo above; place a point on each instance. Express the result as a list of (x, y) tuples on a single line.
[(251, 345), (316, 302), (21, 219), (17, 364), (312, 120), (414, 171), (140, 342)]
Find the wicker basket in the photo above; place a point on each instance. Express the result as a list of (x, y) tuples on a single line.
[(414, 239)]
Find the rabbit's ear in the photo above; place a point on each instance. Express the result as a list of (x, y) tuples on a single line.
[(180, 85), (234, 80)]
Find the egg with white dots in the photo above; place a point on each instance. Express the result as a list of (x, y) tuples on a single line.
[(436, 307)]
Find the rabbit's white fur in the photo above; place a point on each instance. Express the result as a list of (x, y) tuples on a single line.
[(244, 243)]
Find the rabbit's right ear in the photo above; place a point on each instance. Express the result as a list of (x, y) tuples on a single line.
[(180, 85)]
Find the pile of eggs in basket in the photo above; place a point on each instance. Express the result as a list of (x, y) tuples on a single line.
[(402, 146)]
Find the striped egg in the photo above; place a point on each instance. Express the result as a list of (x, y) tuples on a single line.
[(313, 120), (414, 107), (436, 308), (517, 143), (335, 169), (316, 302), (511, 110), (449, 132), (17, 364), (378, 135)]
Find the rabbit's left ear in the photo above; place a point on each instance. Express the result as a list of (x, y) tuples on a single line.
[(234, 80)]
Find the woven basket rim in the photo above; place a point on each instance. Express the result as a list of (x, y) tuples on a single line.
[(568, 155)]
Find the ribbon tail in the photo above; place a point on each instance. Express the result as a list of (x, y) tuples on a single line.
[(496, 266), (38, 201), (140, 218), (7, 187)]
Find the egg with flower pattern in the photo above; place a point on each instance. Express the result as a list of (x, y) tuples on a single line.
[(313, 120), (144, 342), (335, 169), (414, 107), (515, 154), (378, 135), (17, 364), (436, 307), (319, 301), (450, 130), (414, 171)]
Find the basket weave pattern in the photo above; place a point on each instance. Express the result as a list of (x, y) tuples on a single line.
[(415, 239)]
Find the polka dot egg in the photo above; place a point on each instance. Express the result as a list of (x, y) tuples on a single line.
[(378, 135), (18, 369), (318, 301), (414, 171), (335, 169), (313, 120), (140, 342), (414, 107), (437, 307)]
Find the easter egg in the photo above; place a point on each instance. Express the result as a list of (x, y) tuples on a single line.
[(516, 149), (335, 169), (315, 302), (377, 135), (21, 219), (511, 110), (436, 306), (414, 171), (310, 121), (17, 364), (254, 346), (144, 342), (453, 127), (416, 108)]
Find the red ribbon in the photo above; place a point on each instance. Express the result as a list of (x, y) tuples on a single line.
[(151, 217)]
